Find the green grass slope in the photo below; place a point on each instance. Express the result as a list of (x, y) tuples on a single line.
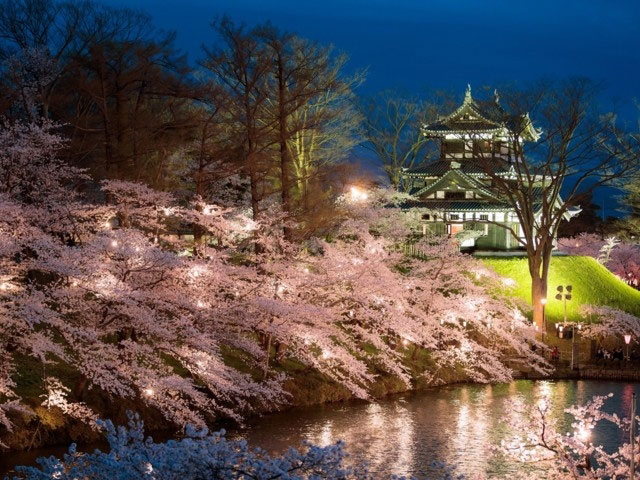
[(592, 284)]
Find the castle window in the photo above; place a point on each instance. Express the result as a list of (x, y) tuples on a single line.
[(454, 195), (481, 146), (440, 194), (453, 147), (468, 194), (454, 216), (484, 216)]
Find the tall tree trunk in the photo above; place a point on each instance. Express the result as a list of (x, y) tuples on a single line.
[(265, 369), (285, 155), (539, 264), (538, 293), (198, 231)]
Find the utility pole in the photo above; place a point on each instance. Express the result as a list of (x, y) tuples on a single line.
[(632, 439)]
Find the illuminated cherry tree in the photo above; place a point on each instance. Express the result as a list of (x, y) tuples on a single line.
[(539, 437), (102, 281), (623, 259)]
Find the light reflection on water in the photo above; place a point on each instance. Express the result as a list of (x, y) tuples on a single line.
[(457, 425)]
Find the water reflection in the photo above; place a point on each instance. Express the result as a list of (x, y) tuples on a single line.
[(384, 429), (457, 425)]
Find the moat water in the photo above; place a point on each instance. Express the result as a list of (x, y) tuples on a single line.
[(404, 435)]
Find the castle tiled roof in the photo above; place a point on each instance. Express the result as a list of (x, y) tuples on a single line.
[(469, 166), (457, 205), (475, 116)]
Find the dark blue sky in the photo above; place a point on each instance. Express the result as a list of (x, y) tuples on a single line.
[(420, 44)]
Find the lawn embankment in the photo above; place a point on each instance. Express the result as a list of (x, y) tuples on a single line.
[(592, 284)]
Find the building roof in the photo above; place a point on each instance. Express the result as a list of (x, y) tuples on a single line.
[(467, 166), (457, 205), (455, 179), (473, 117)]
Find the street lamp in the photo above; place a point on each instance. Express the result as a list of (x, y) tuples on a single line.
[(561, 295), (564, 294), (632, 432), (627, 340)]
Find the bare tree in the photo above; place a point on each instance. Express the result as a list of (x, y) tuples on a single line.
[(55, 31), (241, 66), (392, 128), (329, 127), (304, 76), (132, 97), (116, 83), (577, 151)]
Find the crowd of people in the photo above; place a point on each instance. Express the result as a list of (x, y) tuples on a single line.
[(617, 354), (604, 355)]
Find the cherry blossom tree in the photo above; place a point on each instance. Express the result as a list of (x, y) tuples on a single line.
[(96, 277), (199, 455), (610, 322), (587, 244), (622, 258), (538, 437)]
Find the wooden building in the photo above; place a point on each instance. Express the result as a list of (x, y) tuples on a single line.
[(454, 191)]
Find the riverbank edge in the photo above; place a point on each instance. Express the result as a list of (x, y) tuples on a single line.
[(51, 428), (588, 372)]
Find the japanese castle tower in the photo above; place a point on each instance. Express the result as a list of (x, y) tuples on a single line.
[(453, 191)]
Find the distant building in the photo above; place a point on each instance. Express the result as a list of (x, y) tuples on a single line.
[(454, 191)]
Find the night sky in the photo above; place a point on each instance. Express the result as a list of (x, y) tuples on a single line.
[(418, 45)]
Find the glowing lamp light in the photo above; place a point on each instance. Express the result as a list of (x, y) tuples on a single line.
[(464, 323), (306, 270), (405, 342), (358, 195), (4, 286), (149, 392), (326, 354), (442, 321), (543, 301), (627, 339), (114, 243), (560, 328), (200, 304), (579, 326), (107, 224), (583, 433)]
